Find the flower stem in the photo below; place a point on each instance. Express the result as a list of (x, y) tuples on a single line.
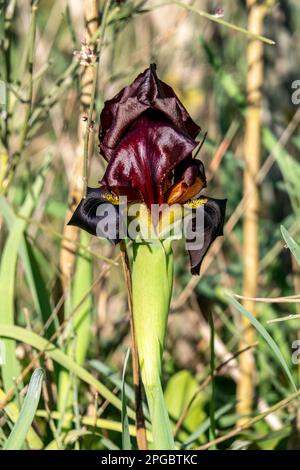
[(140, 420), (152, 279)]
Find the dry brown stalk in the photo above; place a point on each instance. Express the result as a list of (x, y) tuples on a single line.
[(222, 149), (252, 152), (67, 256)]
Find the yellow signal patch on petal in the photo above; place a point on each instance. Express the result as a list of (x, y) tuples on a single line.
[(196, 203)]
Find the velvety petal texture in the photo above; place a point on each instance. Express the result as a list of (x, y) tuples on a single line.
[(189, 180), (214, 214), (88, 217), (145, 156), (147, 138), (146, 93)]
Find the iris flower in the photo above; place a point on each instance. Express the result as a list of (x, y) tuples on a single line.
[(148, 138)]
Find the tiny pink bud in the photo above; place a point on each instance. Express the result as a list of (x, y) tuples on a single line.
[(219, 12)]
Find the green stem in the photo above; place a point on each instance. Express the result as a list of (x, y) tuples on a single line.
[(212, 429), (152, 279)]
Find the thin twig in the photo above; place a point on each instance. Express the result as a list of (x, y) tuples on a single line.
[(93, 95), (248, 424), (76, 189), (28, 102), (59, 332), (286, 318), (278, 300), (76, 243), (204, 384), (8, 17), (222, 149), (218, 20)]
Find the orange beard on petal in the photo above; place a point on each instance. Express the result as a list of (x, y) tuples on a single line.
[(181, 192)]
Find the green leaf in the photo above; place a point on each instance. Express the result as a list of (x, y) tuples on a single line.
[(180, 390), (114, 378), (100, 423), (32, 269), (126, 444), (71, 437), (82, 281), (212, 405), (36, 341), (27, 413), (261, 329), (293, 246), (11, 369), (289, 167), (79, 307), (204, 426), (12, 411), (37, 285)]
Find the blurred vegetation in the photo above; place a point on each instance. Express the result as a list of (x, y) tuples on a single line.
[(86, 320)]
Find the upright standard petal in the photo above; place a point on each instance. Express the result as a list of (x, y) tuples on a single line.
[(147, 92), (145, 156), (211, 224)]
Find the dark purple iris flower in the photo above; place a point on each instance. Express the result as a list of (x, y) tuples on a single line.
[(147, 138)]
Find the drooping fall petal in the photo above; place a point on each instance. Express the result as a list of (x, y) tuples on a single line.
[(211, 226), (97, 215), (147, 137)]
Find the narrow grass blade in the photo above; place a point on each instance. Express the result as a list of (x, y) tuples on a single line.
[(99, 423), (114, 378), (80, 321), (261, 329), (11, 369), (206, 424), (31, 268), (36, 341), (12, 411), (212, 405), (83, 279), (288, 165), (293, 246), (160, 421), (126, 444), (70, 438), (18, 435), (37, 285)]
